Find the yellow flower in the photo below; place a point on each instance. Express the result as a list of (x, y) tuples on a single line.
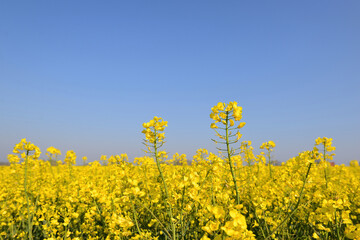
[(53, 150), (70, 157), (238, 135), (217, 211), (232, 122), (220, 106), (272, 144), (205, 237), (318, 141), (211, 226), (238, 219)]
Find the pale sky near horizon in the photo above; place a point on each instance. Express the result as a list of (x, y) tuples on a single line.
[(85, 75)]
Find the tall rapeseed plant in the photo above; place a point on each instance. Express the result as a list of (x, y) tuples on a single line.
[(28, 152), (269, 147), (154, 140), (327, 147), (227, 115)]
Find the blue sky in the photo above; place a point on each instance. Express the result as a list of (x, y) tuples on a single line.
[(85, 75)]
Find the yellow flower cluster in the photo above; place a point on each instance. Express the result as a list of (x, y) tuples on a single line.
[(268, 145), (226, 114), (53, 151), (354, 163), (117, 159), (24, 147), (327, 142), (153, 129), (70, 157)]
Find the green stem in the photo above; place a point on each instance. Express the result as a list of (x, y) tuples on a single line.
[(229, 158), (165, 188), (326, 165), (269, 157), (134, 214), (27, 196), (152, 214)]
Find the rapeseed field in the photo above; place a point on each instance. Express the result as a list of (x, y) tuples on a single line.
[(231, 194)]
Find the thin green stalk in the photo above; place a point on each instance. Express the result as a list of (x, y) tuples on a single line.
[(296, 206), (229, 158), (135, 218), (326, 166), (258, 220), (153, 215), (269, 157), (337, 227), (166, 190), (27, 196), (249, 172)]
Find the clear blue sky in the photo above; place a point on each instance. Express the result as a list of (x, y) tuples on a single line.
[(85, 75)]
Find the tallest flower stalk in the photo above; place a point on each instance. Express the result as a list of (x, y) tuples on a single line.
[(228, 116)]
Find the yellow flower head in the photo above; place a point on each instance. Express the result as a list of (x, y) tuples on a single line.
[(153, 129), (70, 157), (28, 147), (53, 150), (268, 145), (224, 111), (228, 115)]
